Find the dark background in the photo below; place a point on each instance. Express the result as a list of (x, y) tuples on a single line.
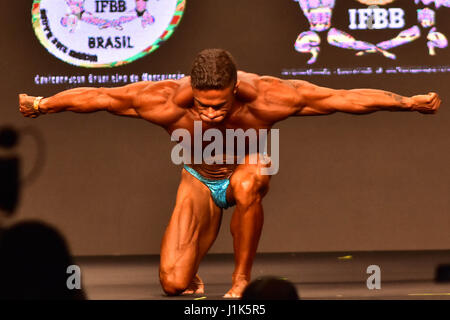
[(373, 182)]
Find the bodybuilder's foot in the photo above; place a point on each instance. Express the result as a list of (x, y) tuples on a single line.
[(196, 287), (239, 284)]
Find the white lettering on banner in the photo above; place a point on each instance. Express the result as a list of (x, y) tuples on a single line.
[(392, 18)]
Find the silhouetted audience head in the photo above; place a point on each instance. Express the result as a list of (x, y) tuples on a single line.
[(443, 273), (9, 172), (270, 288), (8, 137), (34, 258)]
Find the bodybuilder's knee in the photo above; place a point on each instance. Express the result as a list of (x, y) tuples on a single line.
[(250, 188), (172, 284)]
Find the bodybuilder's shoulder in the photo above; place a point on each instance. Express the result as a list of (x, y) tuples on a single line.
[(276, 91), (256, 80), (261, 85), (177, 91), (183, 96)]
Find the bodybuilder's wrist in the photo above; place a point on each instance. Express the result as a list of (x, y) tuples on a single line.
[(43, 106), (409, 104)]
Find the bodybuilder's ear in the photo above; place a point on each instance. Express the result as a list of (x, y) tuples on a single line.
[(236, 86)]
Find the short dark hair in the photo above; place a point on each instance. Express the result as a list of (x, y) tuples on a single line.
[(213, 69)]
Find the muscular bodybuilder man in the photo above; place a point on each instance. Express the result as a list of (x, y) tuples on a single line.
[(220, 97)]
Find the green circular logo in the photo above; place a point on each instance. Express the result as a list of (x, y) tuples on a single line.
[(104, 33)]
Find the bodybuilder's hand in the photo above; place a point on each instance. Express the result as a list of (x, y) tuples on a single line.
[(26, 106), (427, 103)]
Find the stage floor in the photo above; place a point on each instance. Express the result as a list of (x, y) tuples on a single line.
[(404, 275)]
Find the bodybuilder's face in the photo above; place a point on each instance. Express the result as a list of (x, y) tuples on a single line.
[(214, 105)]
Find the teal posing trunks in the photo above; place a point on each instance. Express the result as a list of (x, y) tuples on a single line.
[(218, 188)]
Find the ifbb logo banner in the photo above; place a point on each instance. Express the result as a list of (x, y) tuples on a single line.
[(378, 15), (104, 33)]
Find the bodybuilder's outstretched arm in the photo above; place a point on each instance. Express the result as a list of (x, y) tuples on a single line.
[(315, 100), (285, 98), (157, 102)]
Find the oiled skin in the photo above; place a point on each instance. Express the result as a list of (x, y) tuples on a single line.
[(256, 102)]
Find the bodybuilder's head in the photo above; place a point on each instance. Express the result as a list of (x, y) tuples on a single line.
[(214, 83)]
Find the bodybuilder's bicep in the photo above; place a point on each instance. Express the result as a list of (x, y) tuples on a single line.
[(313, 99), (286, 98)]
